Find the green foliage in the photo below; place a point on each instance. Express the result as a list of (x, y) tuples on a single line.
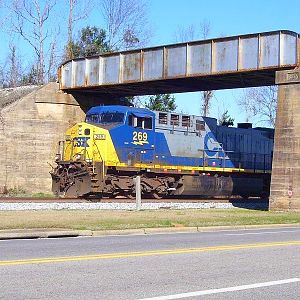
[(16, 191), (42, 195), (162, 102), (91, 41), (226, 120)]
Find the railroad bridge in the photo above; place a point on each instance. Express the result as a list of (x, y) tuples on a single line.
[(229, 62)]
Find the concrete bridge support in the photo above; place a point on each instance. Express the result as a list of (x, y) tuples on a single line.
[(285, 183)]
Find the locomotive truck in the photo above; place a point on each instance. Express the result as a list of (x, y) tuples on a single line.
[(174, 153)]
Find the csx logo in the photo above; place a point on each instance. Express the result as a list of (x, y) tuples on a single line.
[(81, 141)]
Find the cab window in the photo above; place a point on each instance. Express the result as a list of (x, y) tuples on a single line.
[(140, 122), (174, 120), (163, 118), (200, 125), (186, 122), (105, 118), (94, 118), (111, 117)]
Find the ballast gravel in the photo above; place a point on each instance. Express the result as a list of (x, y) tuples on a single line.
[(127, 206)]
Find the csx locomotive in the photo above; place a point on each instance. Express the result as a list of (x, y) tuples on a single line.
[(175, 154)]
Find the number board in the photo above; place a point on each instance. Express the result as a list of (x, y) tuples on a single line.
[(139, 138)]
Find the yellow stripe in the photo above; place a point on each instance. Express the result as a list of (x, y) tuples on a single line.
[(185, 168), (145, 253)]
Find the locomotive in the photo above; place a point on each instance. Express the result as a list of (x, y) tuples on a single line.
[(173, 153)]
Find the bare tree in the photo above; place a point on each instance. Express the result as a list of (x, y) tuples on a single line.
[(205, 29), (260, 102), (205, 96), (185, 34), (52, 63), (13, 75), (126, 23), (30, 20), (77, 11), (190, 33), (11, 68), (2, 76)]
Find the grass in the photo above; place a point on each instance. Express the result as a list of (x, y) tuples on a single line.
[(42, 195), (21, 193), (101, 220)]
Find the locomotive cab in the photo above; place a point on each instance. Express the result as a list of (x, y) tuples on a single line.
[(110, 137)]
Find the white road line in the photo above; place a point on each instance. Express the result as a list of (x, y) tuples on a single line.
[(224, 290), (264, 232)]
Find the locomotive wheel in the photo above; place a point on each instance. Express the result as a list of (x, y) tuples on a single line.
[(157, 196), (130, 196)]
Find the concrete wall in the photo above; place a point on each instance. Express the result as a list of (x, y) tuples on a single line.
[(30, 129), (285, 183)]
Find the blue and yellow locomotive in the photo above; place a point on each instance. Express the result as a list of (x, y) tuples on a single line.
[(175, 154)]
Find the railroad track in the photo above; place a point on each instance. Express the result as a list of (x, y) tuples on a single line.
[(126, 200)]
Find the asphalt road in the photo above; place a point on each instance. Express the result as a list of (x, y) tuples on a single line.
[(244, 264)]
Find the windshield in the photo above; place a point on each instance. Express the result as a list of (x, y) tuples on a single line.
[(106, 118), (92, 118)]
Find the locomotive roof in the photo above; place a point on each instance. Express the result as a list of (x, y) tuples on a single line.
[(119, 108)]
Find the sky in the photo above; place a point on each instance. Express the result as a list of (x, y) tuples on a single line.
[(226, 18)]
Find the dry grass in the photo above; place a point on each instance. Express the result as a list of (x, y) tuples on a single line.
[(98, 220)]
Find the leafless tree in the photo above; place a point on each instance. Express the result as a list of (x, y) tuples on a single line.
[(30, 20), (52, 62), (205, 96), (185, 34), (126, 23), (78, 10), (2, 76), (11, 68), (190, 33), (260, 102), (13, 75)]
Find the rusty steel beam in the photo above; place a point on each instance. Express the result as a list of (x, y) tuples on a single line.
[(221, 63)]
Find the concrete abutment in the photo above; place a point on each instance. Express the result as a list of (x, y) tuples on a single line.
[(31, 127), (285, 182)]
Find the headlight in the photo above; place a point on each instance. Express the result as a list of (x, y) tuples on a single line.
[(79, 129), (99, 137), (78, 157), (57, 157)]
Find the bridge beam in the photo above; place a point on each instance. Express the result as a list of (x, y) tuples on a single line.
[(285, 182)]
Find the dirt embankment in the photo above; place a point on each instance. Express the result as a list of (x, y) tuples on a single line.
[(10, 95)]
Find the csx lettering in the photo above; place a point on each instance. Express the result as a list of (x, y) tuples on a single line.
[(81, 141)]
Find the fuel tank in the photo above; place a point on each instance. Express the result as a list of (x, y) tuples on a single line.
[(220, 186)]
